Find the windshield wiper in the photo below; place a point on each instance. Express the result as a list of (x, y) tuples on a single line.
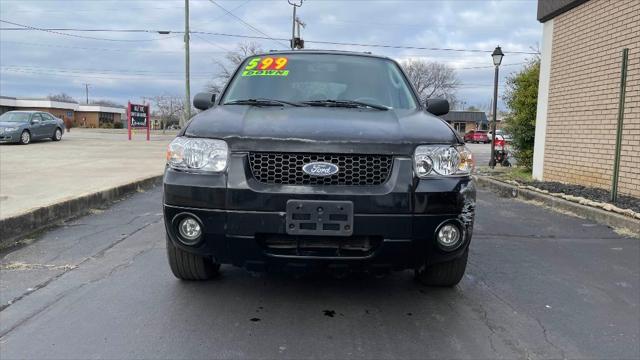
[(346, 103), (261, 102)]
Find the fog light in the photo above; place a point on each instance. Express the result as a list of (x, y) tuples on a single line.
[(190, 230), (449, 236)]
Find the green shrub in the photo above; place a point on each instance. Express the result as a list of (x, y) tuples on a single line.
[(521, 97)]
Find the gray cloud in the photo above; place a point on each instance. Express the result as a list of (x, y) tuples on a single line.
[(36, 63)]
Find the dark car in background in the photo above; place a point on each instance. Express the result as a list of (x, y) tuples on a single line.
[(477, 136), (24, 126), (319, 160)]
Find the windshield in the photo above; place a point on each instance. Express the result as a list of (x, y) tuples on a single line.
[(300, 78), (15, 117)]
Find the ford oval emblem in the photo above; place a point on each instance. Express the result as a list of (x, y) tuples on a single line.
[(320, 169)]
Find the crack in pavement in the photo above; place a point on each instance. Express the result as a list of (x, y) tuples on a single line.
[(98, 255), (482, 280), (80, 286), (108, 227)]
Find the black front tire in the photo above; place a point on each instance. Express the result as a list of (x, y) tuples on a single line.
[(188, 266), (446, 274)]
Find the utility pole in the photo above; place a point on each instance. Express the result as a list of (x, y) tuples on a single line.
[(187, 104), (86, 92), (293, 22), (299, 43)]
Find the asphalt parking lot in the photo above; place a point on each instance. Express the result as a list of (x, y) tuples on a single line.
[(540, 284), (481, 153)]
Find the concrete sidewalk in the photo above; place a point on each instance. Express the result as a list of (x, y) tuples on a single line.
[(86, 161)]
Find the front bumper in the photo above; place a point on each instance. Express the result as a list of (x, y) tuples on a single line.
[(241, 217), (9, 137)]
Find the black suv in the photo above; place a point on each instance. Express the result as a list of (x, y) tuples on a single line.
[(319, 160)]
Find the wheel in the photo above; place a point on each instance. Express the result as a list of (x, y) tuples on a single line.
[(443, 274), (25, 137), (57, 135), (188, 266)]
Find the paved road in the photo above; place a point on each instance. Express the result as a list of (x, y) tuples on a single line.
[(539, 285), (481, 153)]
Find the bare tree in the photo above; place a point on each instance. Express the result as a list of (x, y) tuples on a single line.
[(169, 108), (62, 97), (231, 60), (432, 79)]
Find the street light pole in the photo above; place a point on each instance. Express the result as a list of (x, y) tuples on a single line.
[(497, 56), (187, 104)]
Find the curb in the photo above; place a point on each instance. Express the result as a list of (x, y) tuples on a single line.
[(21, 225), (597, 215)]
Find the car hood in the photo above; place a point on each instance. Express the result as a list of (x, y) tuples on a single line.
[(320, 129)]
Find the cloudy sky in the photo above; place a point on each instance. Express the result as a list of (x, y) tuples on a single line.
[(129, 66)]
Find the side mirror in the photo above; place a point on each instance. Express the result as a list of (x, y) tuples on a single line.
[(437, 106), (204, 100)]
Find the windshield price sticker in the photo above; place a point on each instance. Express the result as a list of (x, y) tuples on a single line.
[(266, 66)]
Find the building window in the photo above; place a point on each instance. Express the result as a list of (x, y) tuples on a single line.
[(106, 120), (460, 127)]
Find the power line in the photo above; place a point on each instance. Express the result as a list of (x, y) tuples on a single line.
[(57, 32), (365, 45), (124, 74), (223, 15), (413, 47), (225, 50), (266, 37), (107, 49), (99, 71), (147, 77), (487, 66), (246, 23), (210, 42)]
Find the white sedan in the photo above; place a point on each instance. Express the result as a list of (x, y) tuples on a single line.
[(506, 136)]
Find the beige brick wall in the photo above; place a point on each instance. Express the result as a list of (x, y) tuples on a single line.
[(583, 95)]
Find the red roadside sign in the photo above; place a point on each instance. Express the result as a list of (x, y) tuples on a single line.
[(138, 117)]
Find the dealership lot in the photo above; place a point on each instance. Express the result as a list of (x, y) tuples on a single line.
[(84, 162), (539, 285)]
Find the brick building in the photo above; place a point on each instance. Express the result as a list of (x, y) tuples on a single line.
[(579, 93), (91, 116), (465, 121)]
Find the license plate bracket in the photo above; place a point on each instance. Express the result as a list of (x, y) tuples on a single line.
[(319, 217)]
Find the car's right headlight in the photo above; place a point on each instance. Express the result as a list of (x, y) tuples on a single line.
[(198, 154), (442, 160)]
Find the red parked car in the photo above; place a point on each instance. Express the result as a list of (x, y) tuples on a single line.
[(476, 136)]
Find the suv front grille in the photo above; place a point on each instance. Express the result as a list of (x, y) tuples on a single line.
[(286, 168)]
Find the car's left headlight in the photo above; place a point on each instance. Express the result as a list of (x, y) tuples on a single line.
[(198, 154), (442, 160), (11, 129)]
